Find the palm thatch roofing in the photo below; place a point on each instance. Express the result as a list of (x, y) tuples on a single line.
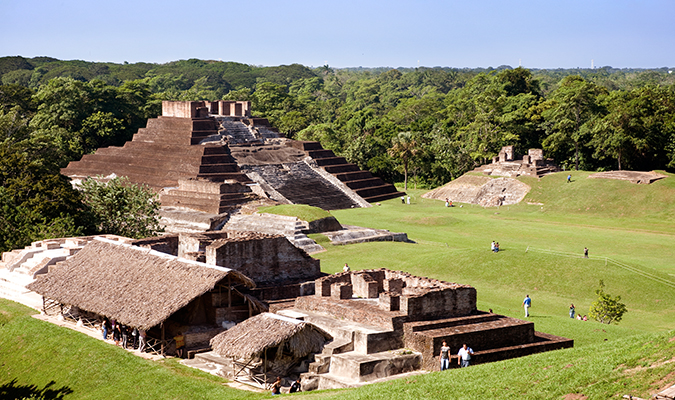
[(251, 337), (136, 286)]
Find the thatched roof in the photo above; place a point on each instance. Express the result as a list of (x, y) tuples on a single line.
[(133, 285), (250, 338)]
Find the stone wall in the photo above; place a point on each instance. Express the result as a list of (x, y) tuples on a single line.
[(263, 258), (181, 109)]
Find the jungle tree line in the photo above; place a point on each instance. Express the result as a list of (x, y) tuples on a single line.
[(432, 124)]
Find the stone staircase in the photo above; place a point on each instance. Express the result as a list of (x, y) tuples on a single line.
[(236, 131), (291, 227), (206, 196), (298, 183), (359, 354), (371, 188)]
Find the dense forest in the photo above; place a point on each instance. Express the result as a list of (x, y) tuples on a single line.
[(432, 124)]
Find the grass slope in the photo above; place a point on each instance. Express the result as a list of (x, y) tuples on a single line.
[(542, 247), (34, 353)]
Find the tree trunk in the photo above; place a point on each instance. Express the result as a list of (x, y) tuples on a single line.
[(405, 176)]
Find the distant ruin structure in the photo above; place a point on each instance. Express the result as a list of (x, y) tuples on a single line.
[(505, 164)]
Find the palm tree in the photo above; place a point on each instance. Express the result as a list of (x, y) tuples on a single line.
[(404, 147)]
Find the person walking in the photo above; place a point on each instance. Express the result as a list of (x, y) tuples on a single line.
[(569, 178), (526, 304), (445, 356), (572, 310), (464, 356)]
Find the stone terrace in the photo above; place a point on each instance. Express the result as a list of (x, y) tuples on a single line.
[(375, 314)]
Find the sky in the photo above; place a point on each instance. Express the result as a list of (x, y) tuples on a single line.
[(347, 33)]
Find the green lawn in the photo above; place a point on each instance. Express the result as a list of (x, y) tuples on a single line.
[(628, 228)]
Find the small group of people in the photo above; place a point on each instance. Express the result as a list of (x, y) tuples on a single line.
[(276, 386), (463, 356), (448, 202), (123, 336), (494, 247), (405, 199)]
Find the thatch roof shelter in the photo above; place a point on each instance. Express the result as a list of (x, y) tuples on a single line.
[(249, 339), (133, 285)]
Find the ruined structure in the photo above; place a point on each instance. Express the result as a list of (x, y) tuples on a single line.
[(279, 269), (146, 289), (483, 190), (382, 323), (637, 177), (533, 164), (385, 323), (213, 157)]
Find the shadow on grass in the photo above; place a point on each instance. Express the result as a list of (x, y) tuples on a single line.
[(12, 390)]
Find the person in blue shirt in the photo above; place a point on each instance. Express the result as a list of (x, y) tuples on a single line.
[(527, 303)]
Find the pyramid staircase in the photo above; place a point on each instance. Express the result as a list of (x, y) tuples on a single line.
[(371, 188), (167, 150)]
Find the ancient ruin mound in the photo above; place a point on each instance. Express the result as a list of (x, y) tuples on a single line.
[(481, 190), (196, 149), (632, 176)]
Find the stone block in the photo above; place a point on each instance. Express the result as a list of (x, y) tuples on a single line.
[(364, 286), (389, 301), (536, 154), (393, 285), (341, 291)]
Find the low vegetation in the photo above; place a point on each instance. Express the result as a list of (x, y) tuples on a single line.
[(304, 212)]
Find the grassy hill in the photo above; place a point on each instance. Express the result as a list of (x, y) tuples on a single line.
[(628, 228)]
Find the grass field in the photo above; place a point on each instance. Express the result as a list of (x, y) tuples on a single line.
[(628, 228)]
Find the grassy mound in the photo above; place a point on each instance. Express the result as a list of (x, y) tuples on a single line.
[(304, 212)]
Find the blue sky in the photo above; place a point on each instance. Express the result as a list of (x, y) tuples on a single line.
[(347, 33)]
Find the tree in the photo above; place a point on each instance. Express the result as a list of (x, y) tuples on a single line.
[(122, 208), (404, 147), (568, 110), (636, 128), (607, 309)]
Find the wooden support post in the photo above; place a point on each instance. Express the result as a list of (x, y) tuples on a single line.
[(229, 292), (162, 326)]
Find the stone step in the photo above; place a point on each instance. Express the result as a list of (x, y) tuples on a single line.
[(355, 367)]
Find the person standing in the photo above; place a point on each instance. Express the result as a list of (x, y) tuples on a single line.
[(569, 178), (526, 304), (276, 386), (345, 268), (585, 252), (141, 340), (464, 356), (447, 202), (105, 326), (445, 356), (572, 310), (408, 200)]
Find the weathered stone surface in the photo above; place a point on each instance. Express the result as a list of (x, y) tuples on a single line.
[(341, 291), (264, 258)]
